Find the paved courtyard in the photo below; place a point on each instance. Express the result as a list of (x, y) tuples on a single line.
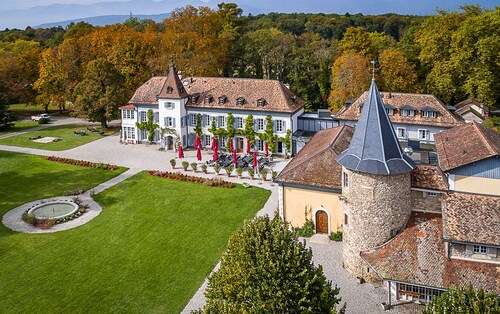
[(360, 298)]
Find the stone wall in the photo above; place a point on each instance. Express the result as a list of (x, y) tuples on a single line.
[(422, 202), (377, 207)]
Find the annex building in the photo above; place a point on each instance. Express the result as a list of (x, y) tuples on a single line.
[(418, 226), (178, 102)]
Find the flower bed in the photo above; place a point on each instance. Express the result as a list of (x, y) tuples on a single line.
[(82, 163), (183, 177)]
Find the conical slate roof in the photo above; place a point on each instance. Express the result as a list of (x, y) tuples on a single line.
[(374, 147)]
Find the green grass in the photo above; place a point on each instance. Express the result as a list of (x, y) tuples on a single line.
[(21, 126), (147, 252), (69, 139), (28, 110)]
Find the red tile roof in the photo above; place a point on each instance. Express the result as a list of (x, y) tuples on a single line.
[(429, 177), (315, 164), (466, 144), (472, 218), (417, 256), (277, 97), (173, 86), (399, 100), (127, 107), (147, 93)]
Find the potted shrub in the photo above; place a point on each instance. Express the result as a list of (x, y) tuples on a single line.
[(263, 174), (194, 166), (251, 173), (185, 165), (172, 163), (239, 171), (274, 174), (217, 168), (229, 170), (204, 168)]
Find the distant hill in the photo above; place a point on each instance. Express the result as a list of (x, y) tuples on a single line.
[(105, 20)]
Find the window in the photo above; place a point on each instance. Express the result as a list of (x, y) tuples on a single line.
[(143, 116), (479, 249), (423, 134), (407, 112), (192, 119), (240, 101), (128, 114), (208, 99), (279, 126), (260, 145), (393, 233), (169, 105), (346, 180), (156, 117), (222, 100), (429, 114), (207, 140), (223, 141), (401, 132), (222, 121), (260, 124), (431, 194), (206, 120), (194, 98), (129, 133), (390, 111), (345, 219), (183, 123), (170, 90), (169, 122), (238, 122), (143, 134), (261, 102)]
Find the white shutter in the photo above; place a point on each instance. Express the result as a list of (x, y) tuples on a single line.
[(255, 127), (274, 126), (165, 121), (284, 126), (492, 252), (173, 122)]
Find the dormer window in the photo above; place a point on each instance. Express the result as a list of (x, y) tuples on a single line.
[(407, 111), (261, 102), (240, 101), (170, 90), (360, 108), (428, 112), (390, 111), (294, 99), (222, 100), (208, 99), (194, 98)]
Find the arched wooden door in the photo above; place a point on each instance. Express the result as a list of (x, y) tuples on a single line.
[(321, 222)]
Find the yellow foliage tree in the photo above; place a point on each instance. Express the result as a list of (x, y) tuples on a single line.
[(397, 73)]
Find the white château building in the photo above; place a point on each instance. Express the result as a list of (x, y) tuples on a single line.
[(176, 103)]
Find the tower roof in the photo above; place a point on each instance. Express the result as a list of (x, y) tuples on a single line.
[(173, 87), (374, 147)]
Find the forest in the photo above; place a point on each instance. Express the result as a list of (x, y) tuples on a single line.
[(325, 58)]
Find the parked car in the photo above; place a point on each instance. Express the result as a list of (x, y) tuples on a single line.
[(40, 116)]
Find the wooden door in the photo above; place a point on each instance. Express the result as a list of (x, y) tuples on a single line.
[(239, 145), (321, 222)]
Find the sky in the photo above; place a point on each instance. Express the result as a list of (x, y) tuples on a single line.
[(21, 13)]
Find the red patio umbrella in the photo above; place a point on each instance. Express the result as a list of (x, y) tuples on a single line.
[(254, 160), (214, 144), (266, 148), (231, 145), (235, 159), (248, 146), (198, 153), (180, 152), (216, 156), (197, 142)]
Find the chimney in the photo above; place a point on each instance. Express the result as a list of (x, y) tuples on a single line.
[(179, 74)]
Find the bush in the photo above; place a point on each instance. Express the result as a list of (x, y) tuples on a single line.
[(204, 168), (194, 166), (336, 236), (239, 171), (185, 165), (263, 174), (43, 121), (173, 163), (464, 300), (229, 170), (183, 177), (306, 231), (217, 168), (254, 276), (82, 163), (251, 172), (274, 174)]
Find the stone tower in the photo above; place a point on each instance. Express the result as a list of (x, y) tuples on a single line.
[(376, 185)]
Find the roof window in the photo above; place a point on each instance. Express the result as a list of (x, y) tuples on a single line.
[(222, 100), (194, 98), (208, 99), (240, 101), (261, 102), (170, 90)]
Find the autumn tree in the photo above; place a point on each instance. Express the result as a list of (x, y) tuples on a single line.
[(464, 300), (396, 72), (350, 78), (51, 83), (100, 93), (267, 270)]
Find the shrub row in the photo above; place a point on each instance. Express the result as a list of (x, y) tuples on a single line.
[(82, 163), (183, 177)]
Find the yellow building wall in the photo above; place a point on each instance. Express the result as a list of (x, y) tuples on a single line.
[(477, 185), (296, 201)]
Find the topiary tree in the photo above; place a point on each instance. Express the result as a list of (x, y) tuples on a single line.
[(267, 270), (149, 126), (249, 129), (464, 300), (197, 128), (270, 137)]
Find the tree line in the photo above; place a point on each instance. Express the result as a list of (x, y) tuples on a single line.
[(324, 57)]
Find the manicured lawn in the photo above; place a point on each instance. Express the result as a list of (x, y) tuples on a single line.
[(21, 126), (31, 110), (147, 252), (66, 132)]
